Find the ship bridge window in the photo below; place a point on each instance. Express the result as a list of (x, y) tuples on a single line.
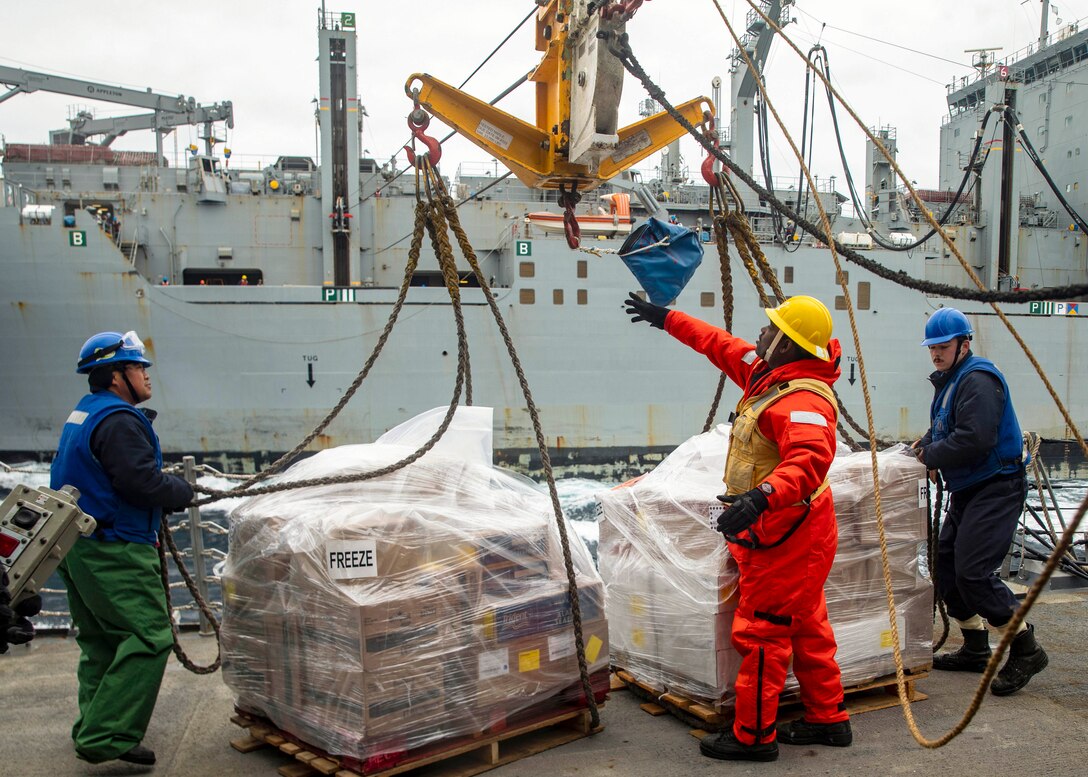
[(787, 274), (219, 276)]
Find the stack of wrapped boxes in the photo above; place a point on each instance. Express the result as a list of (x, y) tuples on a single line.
[(386, 615), (672, 585)]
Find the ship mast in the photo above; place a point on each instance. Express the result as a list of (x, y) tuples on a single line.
[(1043, 32), (338, 116)]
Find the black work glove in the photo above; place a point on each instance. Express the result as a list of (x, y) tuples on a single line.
[(743, 510), (15, 629), (641, 310)]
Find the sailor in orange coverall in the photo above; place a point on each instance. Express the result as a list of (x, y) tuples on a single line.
[(779, 520)]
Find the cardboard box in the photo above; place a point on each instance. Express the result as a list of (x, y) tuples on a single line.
[(399, 626), (525, 670), (376, 705), (544, 610)]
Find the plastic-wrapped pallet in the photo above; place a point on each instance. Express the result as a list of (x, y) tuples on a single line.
[(671, 582), (381, 616)]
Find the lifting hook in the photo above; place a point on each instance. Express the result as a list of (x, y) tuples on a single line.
[(419, 120)]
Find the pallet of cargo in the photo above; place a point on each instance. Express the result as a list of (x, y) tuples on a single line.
[(459, 757), (877, 694)]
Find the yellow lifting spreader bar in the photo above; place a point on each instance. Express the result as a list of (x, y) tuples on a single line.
[(575, 142)]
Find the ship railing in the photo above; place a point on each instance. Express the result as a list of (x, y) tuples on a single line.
[(1034, 47)]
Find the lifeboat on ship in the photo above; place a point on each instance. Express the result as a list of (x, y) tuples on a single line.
[(616, 222)]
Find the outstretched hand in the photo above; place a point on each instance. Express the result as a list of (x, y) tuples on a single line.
[(641, 310)]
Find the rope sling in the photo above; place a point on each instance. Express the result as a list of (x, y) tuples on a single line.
[(436, 214)]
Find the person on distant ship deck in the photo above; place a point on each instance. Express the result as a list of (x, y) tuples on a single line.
[(780, 520), (109, 451), (975, 441)]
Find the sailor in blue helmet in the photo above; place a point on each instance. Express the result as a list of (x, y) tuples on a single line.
[(975, 441), (109, 451)]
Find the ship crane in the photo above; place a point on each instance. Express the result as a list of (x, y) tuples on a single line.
[(167, 111), (576, 143)]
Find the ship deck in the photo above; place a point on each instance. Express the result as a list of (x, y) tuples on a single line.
[(1039, 730)]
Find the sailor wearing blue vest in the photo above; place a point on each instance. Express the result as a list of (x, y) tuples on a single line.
[(109, 451), (975, 441)]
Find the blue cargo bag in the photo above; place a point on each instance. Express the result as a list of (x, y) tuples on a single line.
[(662, 270)]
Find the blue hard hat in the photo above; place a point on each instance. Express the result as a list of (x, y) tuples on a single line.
[(946, 324), (111, 348)]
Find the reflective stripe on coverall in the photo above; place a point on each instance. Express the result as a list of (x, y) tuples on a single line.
[(782, 611)]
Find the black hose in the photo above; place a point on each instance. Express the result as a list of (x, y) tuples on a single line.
[(1025, 141), (860, 207)]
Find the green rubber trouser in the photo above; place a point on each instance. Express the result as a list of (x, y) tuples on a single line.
[(116, 598)]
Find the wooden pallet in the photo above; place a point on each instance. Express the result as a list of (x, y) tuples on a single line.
[(464, 756), (877, 694)]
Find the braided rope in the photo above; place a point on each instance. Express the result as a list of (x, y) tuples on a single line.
[(446, 202)]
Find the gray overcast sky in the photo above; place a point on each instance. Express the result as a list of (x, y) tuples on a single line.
[(260, 54)]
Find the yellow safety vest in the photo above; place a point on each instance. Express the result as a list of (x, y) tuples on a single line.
[(752, 455)]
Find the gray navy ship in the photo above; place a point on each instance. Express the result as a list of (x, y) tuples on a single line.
[(261, 292)]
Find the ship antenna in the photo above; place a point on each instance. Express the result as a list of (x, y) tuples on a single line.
[(984, 61)]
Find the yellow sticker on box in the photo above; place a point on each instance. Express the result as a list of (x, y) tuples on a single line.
[(638, 638), (593, 648), (487, 622), (886, 639), (528, 660), (638, 606)]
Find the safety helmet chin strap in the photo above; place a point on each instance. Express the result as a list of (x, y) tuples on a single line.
[(959, 345), (774, 344), (131, 390)]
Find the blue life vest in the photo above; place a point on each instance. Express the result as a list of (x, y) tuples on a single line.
[(1005, 458), (77, 466)]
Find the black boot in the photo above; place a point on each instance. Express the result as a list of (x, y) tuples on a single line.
[(801, 732), (1026, 659), (726, 748), (138, 755), (971, 657)]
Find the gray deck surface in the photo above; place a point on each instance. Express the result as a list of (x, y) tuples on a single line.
[(1040, 731)]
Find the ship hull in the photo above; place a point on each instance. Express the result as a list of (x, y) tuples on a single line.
[(242, 372)]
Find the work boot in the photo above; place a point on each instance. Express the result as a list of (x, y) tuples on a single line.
[(138, 755), (801, 732), (726, 748), (1026, 659), (972, 656)]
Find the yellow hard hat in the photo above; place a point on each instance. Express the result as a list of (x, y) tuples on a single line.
[(806, 321)]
